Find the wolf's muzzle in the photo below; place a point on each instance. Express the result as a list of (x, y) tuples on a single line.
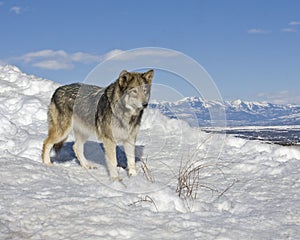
[(145, 104)]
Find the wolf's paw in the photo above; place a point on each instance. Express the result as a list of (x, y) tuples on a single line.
[(88, 165), (132, 172), (116, 179), (48, 163)]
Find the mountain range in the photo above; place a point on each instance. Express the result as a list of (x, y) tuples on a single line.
[(201, 112)]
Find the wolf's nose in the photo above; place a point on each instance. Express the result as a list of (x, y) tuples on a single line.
[(145, 104)]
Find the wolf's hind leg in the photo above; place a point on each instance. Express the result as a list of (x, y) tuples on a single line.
[(54, 137), (78, 148), (111, 158), (47, 146)]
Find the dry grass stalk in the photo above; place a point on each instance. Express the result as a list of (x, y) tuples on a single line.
[(147, 172), (189, 179)]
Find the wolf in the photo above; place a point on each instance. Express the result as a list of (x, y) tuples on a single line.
[(112, 114)]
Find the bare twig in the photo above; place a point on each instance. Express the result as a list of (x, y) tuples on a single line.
[(146, 198), (226, 189)]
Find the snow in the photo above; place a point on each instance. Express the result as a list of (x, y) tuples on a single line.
[(251, 189)]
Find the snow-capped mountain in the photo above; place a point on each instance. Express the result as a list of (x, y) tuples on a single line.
[(197, 111)]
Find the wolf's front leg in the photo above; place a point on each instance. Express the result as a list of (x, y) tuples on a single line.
[(111, 158), (129, 147)]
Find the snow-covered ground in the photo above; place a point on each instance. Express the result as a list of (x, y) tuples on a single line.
[(250, 190)]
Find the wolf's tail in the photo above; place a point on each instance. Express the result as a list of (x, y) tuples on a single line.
[(58, 146), (59, 125)]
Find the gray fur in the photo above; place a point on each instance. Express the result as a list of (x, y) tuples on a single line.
[(113, 114)]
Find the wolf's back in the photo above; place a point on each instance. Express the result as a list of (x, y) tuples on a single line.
[(64, 97), (77, 99)]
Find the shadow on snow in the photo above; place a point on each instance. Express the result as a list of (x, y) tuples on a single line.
[(94, 152)]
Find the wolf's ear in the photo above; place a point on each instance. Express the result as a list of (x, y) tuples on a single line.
[(122, 73), (149, 76), (123, 78)]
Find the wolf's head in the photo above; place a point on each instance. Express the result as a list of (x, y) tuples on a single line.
[(135, 89)]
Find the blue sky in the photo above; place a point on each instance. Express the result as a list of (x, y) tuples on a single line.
[(250, 48)]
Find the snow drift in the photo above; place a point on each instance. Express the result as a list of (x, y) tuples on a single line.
[(250, 190)]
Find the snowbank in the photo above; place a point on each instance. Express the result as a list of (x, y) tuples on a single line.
[(250, 190)]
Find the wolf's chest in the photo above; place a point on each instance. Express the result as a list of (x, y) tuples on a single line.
[(120, 134), (123, 131)]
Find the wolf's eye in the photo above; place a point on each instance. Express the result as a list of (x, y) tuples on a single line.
[(134, 91)]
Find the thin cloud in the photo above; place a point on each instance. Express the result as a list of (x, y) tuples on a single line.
[(16, 9), (32, 56), (294, 23), (84, 58), (282, 97), (61, 60), (288, 30), (139, 53), (111, 54), (258, 31), (53, 65)]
